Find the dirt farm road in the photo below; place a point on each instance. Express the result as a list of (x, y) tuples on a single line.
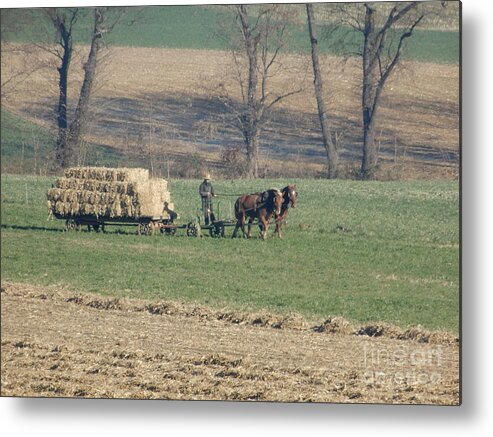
[(67, 344)]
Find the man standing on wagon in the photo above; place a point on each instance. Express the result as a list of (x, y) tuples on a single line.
[(206, 192)]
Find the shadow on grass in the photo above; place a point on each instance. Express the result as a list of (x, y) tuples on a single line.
[(44, 229), (31, 228), (118, 231)]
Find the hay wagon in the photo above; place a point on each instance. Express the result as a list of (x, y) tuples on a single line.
[(146, 225), (98, 197)]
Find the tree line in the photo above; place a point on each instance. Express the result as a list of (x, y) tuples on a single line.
[(257, 36)]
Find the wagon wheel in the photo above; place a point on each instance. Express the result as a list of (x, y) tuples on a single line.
[(72, 225), (95, 227), (145, 228), (217, 230), (193, 230)]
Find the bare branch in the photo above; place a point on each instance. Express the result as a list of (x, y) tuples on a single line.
[(49, 49), (265, 12), (73, 19), (283, 96), (397, 55), (350, 19), (238, 73), (394, 16)]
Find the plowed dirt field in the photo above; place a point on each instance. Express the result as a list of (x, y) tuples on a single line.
[(68, 344)]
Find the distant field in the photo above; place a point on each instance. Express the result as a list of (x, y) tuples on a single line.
[(366, 251), (172, 92), (195, 27)]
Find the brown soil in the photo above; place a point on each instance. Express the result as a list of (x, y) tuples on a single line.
[(66, 344)]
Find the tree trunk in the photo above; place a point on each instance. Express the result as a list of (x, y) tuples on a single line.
[(253, 166), (61, 152), (80, 117), (251, 138), (251, 119), (251, 130), (369, 161), (369, 95), (330, 147)]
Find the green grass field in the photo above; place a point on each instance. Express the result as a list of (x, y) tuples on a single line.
[(28, 148), (396, 259), (23, 143), (195, 27)]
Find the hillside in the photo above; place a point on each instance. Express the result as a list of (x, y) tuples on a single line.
[(156, 103), (169, 95)]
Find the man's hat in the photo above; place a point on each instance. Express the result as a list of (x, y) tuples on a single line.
[(207, 176)]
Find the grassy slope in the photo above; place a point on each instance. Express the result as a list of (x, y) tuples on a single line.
[(194, 27), (19, 138), (399, 263)]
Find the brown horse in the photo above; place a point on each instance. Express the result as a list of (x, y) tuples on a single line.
[(289, 196), (261, 206)]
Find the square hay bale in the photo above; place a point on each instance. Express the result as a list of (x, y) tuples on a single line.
[(87, 209), (109, 192), (54, 194), (151, 197), (133, 175), (108, 174)]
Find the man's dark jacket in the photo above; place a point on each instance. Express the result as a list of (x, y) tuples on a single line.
[(206, 190)]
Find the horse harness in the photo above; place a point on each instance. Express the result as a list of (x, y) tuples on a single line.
[(263, 198)]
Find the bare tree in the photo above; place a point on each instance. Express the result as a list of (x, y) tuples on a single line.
[(262, 33), (382, 49), (329, 143), (63, 21), (78, 123)]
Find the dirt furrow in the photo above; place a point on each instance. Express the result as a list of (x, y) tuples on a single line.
[(52, 345)]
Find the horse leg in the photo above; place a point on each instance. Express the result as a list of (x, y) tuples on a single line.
[(276, 221), (277, 230), (265, 225), (279, 221), (250, 222), (240, 223)]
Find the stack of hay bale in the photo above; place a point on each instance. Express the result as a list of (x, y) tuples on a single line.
[(109, 192)]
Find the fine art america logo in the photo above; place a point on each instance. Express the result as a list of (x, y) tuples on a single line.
[(402, 366)]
